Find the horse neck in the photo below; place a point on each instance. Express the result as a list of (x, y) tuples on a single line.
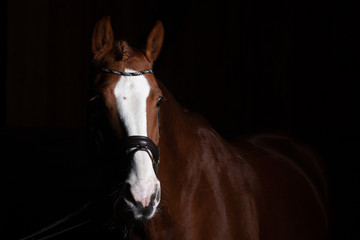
[(179, 131)]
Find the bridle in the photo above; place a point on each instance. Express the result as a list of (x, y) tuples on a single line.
[(133, 144)]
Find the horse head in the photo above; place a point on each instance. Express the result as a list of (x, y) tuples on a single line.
[(131, 98)]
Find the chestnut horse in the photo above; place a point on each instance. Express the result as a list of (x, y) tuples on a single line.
[(262, 187)]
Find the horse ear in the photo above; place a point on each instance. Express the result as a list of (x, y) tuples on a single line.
[(154, 41), (102, 38)]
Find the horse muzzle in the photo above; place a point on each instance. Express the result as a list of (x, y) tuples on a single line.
[(145, 208), (142, 191)]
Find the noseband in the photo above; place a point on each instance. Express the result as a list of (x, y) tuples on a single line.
[(132, 144)]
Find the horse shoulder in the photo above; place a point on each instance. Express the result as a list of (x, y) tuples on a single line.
[(235, 184)]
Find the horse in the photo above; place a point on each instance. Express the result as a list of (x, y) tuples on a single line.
[(264, 186)]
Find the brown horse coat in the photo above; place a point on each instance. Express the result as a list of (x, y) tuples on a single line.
[(264, 188)]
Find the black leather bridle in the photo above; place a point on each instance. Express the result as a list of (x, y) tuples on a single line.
[(133, 144)]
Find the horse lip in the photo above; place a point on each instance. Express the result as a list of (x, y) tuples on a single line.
[(139, 211), (144, 213)]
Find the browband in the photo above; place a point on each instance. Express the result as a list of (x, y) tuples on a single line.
[(108, 70)]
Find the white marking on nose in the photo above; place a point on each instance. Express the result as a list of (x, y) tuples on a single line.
[(131, 93), (143, 186)]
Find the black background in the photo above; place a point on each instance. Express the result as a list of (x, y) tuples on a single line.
[(247, 66)]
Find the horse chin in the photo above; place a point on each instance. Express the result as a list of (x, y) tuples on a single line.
[(140, 212), (142, 217), (144, 214)]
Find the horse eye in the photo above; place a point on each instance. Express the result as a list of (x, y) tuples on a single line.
[(159, 102)]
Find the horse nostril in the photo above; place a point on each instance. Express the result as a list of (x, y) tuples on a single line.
[(138, 202), (129, 197), (144, 208), (158, 193), (155, 197)]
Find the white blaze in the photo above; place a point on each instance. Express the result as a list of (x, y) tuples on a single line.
[(131, 93)]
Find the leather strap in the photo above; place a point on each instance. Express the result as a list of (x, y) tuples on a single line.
[(133, 144)]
